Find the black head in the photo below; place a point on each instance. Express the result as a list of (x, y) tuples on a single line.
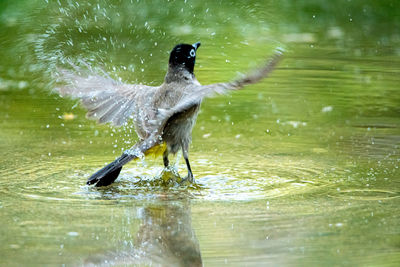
[(184, 55)]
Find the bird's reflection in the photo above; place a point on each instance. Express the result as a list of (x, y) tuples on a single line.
[(165, 238), (166, 234)]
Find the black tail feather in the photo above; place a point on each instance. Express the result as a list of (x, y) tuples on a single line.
[(109, 173), (109, 178)]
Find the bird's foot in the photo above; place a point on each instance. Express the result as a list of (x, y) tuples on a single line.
[(189, 179)]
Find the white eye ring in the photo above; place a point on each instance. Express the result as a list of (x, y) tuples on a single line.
[(192, 53)]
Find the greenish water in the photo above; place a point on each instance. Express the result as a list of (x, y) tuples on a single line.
[(300, 169)]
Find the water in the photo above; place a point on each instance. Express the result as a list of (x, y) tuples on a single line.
[(300, 169)]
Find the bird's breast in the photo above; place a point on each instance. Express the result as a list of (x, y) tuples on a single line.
[(179, 127)]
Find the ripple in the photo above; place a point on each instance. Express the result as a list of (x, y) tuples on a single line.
[(366, 194), (62, 179), (45, 180)]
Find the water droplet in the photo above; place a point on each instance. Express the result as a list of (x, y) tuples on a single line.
[(206, 135), (73, 233)]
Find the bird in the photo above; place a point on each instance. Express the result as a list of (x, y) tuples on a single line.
[(163, 116)]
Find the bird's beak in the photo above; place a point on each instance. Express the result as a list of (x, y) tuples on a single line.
[(196, 45)]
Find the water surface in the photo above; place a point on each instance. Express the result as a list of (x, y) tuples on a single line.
[(300, 169)]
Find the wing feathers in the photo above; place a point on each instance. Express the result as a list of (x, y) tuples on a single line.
[(196, 95), (106, 99)]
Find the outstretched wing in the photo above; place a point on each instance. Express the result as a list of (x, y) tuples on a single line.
[(194, 95), (106, 99)]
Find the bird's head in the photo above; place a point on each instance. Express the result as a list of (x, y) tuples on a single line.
[(184, 56)]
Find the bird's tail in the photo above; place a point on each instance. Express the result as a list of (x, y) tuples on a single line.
[(108, 174)]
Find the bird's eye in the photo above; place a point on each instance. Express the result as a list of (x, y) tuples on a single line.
[(192, 53)]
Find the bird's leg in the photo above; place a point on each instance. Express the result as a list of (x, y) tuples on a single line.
[(185, 150), (165, 158), (190, 177)]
